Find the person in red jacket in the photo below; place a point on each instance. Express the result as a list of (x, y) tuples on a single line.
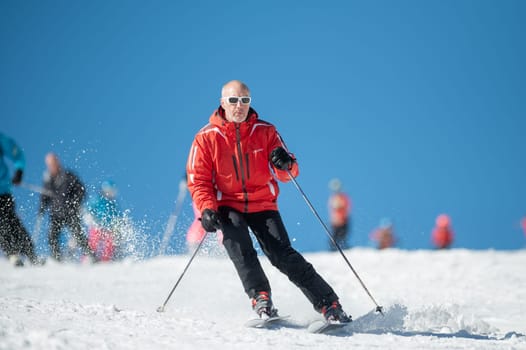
[(339, 213), (232, 169), (442, 234)]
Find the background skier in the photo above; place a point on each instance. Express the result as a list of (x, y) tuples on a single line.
[(339, 214), (383, 235), (64, 205), (14, 239), (104, 219), (442, 234)]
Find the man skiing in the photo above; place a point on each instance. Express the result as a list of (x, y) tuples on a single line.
[(63, 196), (14, 239), (232, 169)]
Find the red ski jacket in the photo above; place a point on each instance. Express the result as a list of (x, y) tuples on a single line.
[(442, 237), (339, 208), (229, 165)]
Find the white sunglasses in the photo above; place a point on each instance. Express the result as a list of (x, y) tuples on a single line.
[(233, 100)]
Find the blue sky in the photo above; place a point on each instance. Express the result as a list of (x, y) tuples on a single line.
[(419, 107)]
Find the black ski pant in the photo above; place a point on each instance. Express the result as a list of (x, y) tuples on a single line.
[(72, 222), (14, 239), (272, 236)]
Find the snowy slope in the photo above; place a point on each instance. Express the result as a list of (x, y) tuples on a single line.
[(454, 299)]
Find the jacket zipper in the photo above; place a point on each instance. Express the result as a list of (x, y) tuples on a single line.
[(240, 156), (235, 166), (248, 166)]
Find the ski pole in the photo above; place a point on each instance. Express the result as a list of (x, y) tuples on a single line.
[(37, 189), (170, 225), (161, 308), (378, 307)]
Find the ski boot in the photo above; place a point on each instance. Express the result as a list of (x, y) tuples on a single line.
[(262, 305), (335, 313), (15, 260)]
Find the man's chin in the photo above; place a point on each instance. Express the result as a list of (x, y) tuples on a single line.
[(239, 119)]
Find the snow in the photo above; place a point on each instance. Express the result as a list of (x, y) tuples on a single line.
[(455, 299)]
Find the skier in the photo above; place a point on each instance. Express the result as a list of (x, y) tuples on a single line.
[(14, 238), (64, 205), (104, 218), (383, 234), (442, 234), (232, 169), (339, 213)]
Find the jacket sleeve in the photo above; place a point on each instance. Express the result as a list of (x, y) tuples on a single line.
[(200, 173), (277, 141)]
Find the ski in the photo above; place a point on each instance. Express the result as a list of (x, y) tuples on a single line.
[(264, 322), (326, 326)]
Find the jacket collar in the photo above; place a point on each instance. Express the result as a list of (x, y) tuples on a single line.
[(218, 118)]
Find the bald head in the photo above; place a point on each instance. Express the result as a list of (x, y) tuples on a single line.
[(237, 85), (52, 164), (235, 112)]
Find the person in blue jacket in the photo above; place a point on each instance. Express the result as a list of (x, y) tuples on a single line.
[(104, 219), (15, 241)]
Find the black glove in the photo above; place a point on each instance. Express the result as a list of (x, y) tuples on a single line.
[(210, 220), (17, 177), (281, 159)]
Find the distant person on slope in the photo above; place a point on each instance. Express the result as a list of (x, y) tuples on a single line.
[(232, 169), (104, 219), (383, 235), (339, 213), (14, 239), (63, 197), (442, 235)]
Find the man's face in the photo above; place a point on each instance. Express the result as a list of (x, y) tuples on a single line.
[(235, 112), (53, 165)]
